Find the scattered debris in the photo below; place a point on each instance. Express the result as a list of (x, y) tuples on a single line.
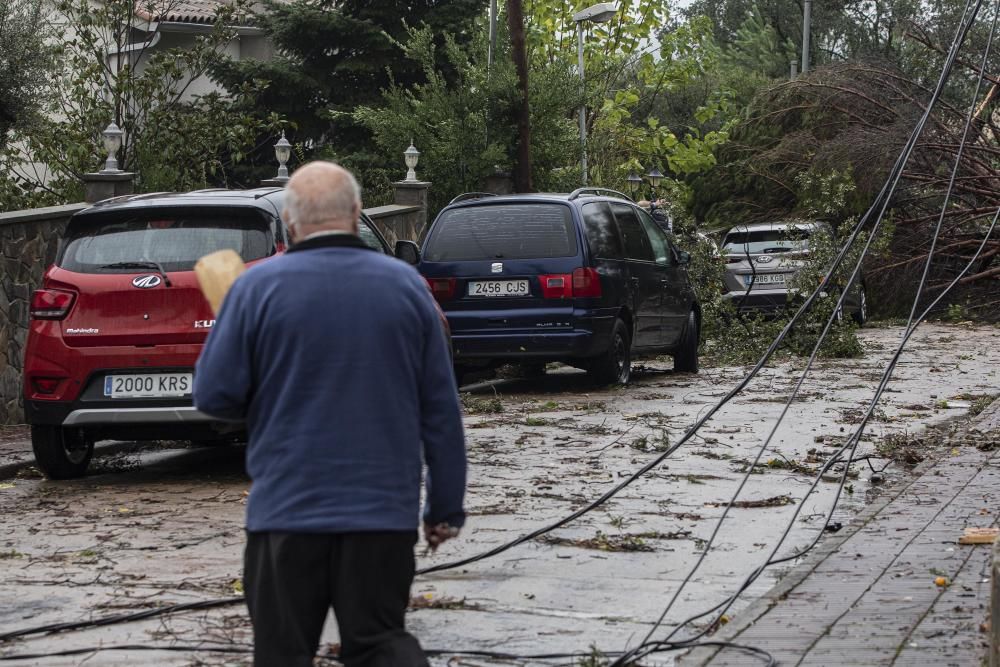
[(979, 536), (428, 601), (902, 448), (603, 542), (773, 501)]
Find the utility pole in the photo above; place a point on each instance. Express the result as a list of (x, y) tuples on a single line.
[(515, 22), (492, 48), (583, 106), (806, 18)]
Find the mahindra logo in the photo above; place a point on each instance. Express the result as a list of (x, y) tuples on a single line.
[(145, 282), (497, 267), (764, 259)]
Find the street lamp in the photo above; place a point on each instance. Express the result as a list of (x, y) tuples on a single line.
[(112, 138), (282, 151), (602, 12), (411, 156), (654, 177), (634, 183)]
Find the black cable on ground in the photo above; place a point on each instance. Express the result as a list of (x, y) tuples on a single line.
[(119, 618), (245, 650)]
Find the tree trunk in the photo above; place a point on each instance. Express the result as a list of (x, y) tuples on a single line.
[(522, 170)]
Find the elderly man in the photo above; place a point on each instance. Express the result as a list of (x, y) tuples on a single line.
[(335, 357)]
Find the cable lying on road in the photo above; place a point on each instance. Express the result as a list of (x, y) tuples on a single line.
[(433, 653), (119, 618)]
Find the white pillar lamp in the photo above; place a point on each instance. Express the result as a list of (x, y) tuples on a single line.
[(411, 155), (112, 138)]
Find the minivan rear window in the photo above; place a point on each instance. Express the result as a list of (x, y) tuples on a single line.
[(175, 242), (502, 231)]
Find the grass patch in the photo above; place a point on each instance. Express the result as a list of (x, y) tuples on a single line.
[(901, 448), (474, 405), (980, 403)]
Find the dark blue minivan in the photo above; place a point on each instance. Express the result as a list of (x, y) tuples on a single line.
[(588, 279)]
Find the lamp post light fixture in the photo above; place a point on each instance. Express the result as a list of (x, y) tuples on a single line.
[(654, 177), (112, 138), (282, 152), (602, 12), (634, 182), (411, 155)]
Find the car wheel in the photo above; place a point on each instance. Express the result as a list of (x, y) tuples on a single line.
[(686, 357), (861, 314), (615, 365), (61, 453)]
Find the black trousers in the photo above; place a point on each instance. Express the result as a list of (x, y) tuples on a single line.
[(292, 579)]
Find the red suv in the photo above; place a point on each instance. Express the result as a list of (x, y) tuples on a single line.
[(120, 321)]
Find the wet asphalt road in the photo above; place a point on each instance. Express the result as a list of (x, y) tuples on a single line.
[(162, 525)]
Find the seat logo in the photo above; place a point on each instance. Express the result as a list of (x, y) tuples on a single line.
[(145, 282), (764, 259), (497, 267)]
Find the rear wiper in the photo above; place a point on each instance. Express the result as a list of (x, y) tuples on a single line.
[(145, 264)]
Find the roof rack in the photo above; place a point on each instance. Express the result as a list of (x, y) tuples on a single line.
[(472, 195), (579, 192)]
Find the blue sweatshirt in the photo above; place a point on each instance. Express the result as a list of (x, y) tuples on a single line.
[(336, 358)]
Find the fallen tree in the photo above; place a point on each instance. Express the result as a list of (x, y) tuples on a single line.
[(842, 127)]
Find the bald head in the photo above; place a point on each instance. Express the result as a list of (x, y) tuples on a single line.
[(321, 196)]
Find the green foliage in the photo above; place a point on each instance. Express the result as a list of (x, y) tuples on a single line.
[(333, 57), (465, 125), (172, 140), (757, 47), (25, 63)]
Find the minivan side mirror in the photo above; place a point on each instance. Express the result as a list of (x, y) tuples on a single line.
[(408, 251), (683, 256)]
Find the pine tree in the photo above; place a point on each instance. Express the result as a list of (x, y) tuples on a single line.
[(335, 55)]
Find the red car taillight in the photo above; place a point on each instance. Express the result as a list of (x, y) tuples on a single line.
[(583, 282), (586, 283), (46, 385), (442, 288), (51, 304)]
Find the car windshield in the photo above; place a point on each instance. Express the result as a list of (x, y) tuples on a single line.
[(502, 231), (765, 241), (171, 242)]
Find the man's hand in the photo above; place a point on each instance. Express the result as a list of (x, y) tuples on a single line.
[(436, 535)]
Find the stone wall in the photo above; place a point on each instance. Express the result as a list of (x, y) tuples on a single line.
[(28, 243), (398, 223)]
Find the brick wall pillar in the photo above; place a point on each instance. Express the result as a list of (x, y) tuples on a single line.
[(104, 185)]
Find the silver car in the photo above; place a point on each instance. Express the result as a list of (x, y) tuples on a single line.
[(761, 262)]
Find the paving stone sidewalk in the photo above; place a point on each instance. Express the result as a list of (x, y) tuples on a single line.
[(868, 596)]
